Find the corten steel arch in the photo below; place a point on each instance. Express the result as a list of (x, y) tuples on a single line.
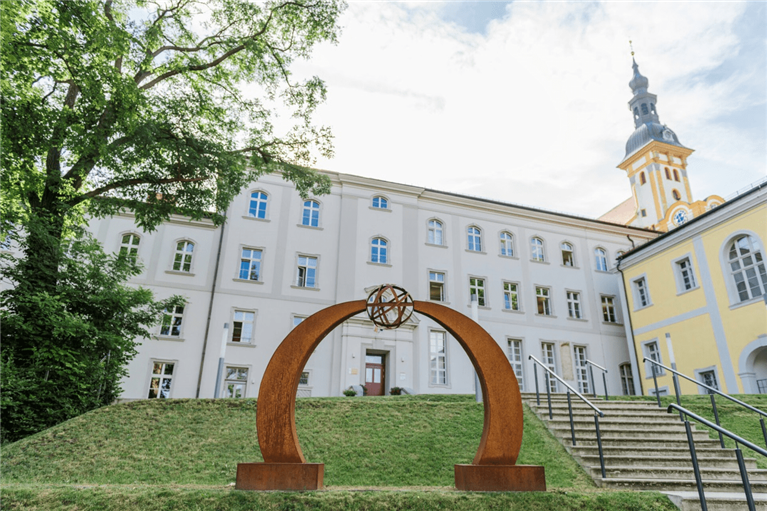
[(276, 418)]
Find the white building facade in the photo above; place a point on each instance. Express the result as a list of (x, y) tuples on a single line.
[(545, 283)]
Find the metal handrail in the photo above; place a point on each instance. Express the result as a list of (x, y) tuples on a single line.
[(597, 412), (738, 454), (604, 377)]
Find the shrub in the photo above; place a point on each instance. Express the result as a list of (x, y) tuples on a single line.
[(395, 391), (350, 392)]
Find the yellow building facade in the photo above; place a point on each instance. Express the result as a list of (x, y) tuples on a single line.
[(696, 297)]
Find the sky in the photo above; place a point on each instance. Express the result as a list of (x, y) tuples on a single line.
[(526, 102)]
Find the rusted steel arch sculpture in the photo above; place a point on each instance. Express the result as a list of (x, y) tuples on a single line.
[(276, 417)]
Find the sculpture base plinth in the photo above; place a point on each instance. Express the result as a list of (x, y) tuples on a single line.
[(499, 478), (279, 476)]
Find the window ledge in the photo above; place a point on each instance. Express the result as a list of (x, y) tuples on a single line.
[(684, 292), (615, 323), (305, 287), (380, 209), (539, 262), (440, 302), (379, 264), (658, 375), (482, 307), (248, 217), (756, 299), (513, 311), (169, 338), (248, 281), (434, 245), (577, 319), (476, 252), (636, 309), (546, 315), (570, 266), (242, 344), (602, 271), (508, 257), (310, 227), (178, 272)]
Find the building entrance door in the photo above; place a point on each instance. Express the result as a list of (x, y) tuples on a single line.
[(375, 375)]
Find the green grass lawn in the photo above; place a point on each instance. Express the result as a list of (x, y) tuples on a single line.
[(379, 453)]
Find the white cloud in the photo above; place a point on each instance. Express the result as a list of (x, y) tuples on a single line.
[(533, 110)]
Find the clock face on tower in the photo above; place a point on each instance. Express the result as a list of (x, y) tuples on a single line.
[(680, 217), (668, 135)]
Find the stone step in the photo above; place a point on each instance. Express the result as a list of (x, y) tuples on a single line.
[(649, 449), (716, 501), (563, 431), (675, 473), (638, 416), (643, 443), (669, 485), (608, 409), (665, 461), (582, 420)]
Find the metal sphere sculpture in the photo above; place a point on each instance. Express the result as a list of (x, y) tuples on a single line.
[(389, 306)]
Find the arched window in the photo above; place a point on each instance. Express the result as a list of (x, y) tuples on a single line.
[(434, 233), (619, 254), (378, 251), (183, 258), (676, 175), (475, 239), (507, 247), (636, 113), (642, 178), (567, 254), (644, 109), (380, 203), (676, 194), (311, 213), (536, 249), (747, 268), (129, 247), (652, 108), (668, 174), (600, 257), (257, 207)]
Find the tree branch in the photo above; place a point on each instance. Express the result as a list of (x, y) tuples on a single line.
[(130, 182)]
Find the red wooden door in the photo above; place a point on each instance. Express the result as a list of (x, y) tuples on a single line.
[(375, 375)]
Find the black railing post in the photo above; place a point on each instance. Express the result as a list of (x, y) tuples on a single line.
[(548, 394), (744, 476), (764, 430), (537, 394), (716, 417), (570, 408), (599, 444), (655, 379), (695, 466), (604, 381), (593, 383), (676, 391)]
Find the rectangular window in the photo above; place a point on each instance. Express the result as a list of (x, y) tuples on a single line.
[(608, 309), (641, 294), (436, 286), (304, 379), (236, 382), (627, 380), (547, 350), (477, 288), (685, 274), (307, 271), (515, 359), (161, 379), (243, 326), (250, 264), (297, 320), (652, 351), (542, 296), (510, 296), (574, 305), (437, 358), (581, 371), (171, 321), (708, 378)]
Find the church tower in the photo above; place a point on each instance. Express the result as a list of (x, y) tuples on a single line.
[(656, 165)]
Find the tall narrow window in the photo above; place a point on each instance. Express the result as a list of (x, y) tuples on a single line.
[(434, 234), (161, 379), (652, 352), (307, 271), (600, 257), (242, 330), (437, 358), (311, 213), (257, 208), (567, 254), (129, 247), (581, 372), (477, 288), (550, 362), (709, 378), (668, 174), (676, 175), (236, 382), (627, 380), (183, 259), (380, 203), (641, 295), (436, 286), (507, 248), (685, 274), (608, 309), (378, 252), (574, 305), (642, 178), (171, 321), (515, 359), (250, 264), (747, 268), (542, 296), (510, 296), (536, 249), (676, 194), (475, 239)]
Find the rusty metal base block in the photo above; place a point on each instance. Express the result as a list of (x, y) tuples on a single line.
[(279, 476), (499, 478)]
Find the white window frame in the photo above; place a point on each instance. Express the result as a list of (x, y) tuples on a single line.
[(699, 377), (550, 362), (613, 304), (442, 283), (506, 244), (296, 281), (434, 372), (131, 249), (255, 212), (162, 376), (296, 319), (729, 274), (379, 250), (305, 206), (574, 304), (308, 373), (627, 379), (173, 315), (515, 352), (508, 293), (184, 253), (563, 250), (482, 300), (383, 202), (678, 269), (235, 312), (637, 283), (647, 351), (474, 239), (234, 381), (432, 230), (600, 259), (537, 251), (580, 355), (260, 264), (547, 301)]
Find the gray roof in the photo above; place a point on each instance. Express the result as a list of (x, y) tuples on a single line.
[(646, 133)]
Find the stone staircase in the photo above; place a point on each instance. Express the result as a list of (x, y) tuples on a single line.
[(646, 448)]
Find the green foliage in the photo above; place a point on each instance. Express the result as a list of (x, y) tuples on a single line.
[(395, 391), (65, 351), (350, 392)]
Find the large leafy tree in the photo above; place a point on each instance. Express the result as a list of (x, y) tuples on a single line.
[(157, 107)]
